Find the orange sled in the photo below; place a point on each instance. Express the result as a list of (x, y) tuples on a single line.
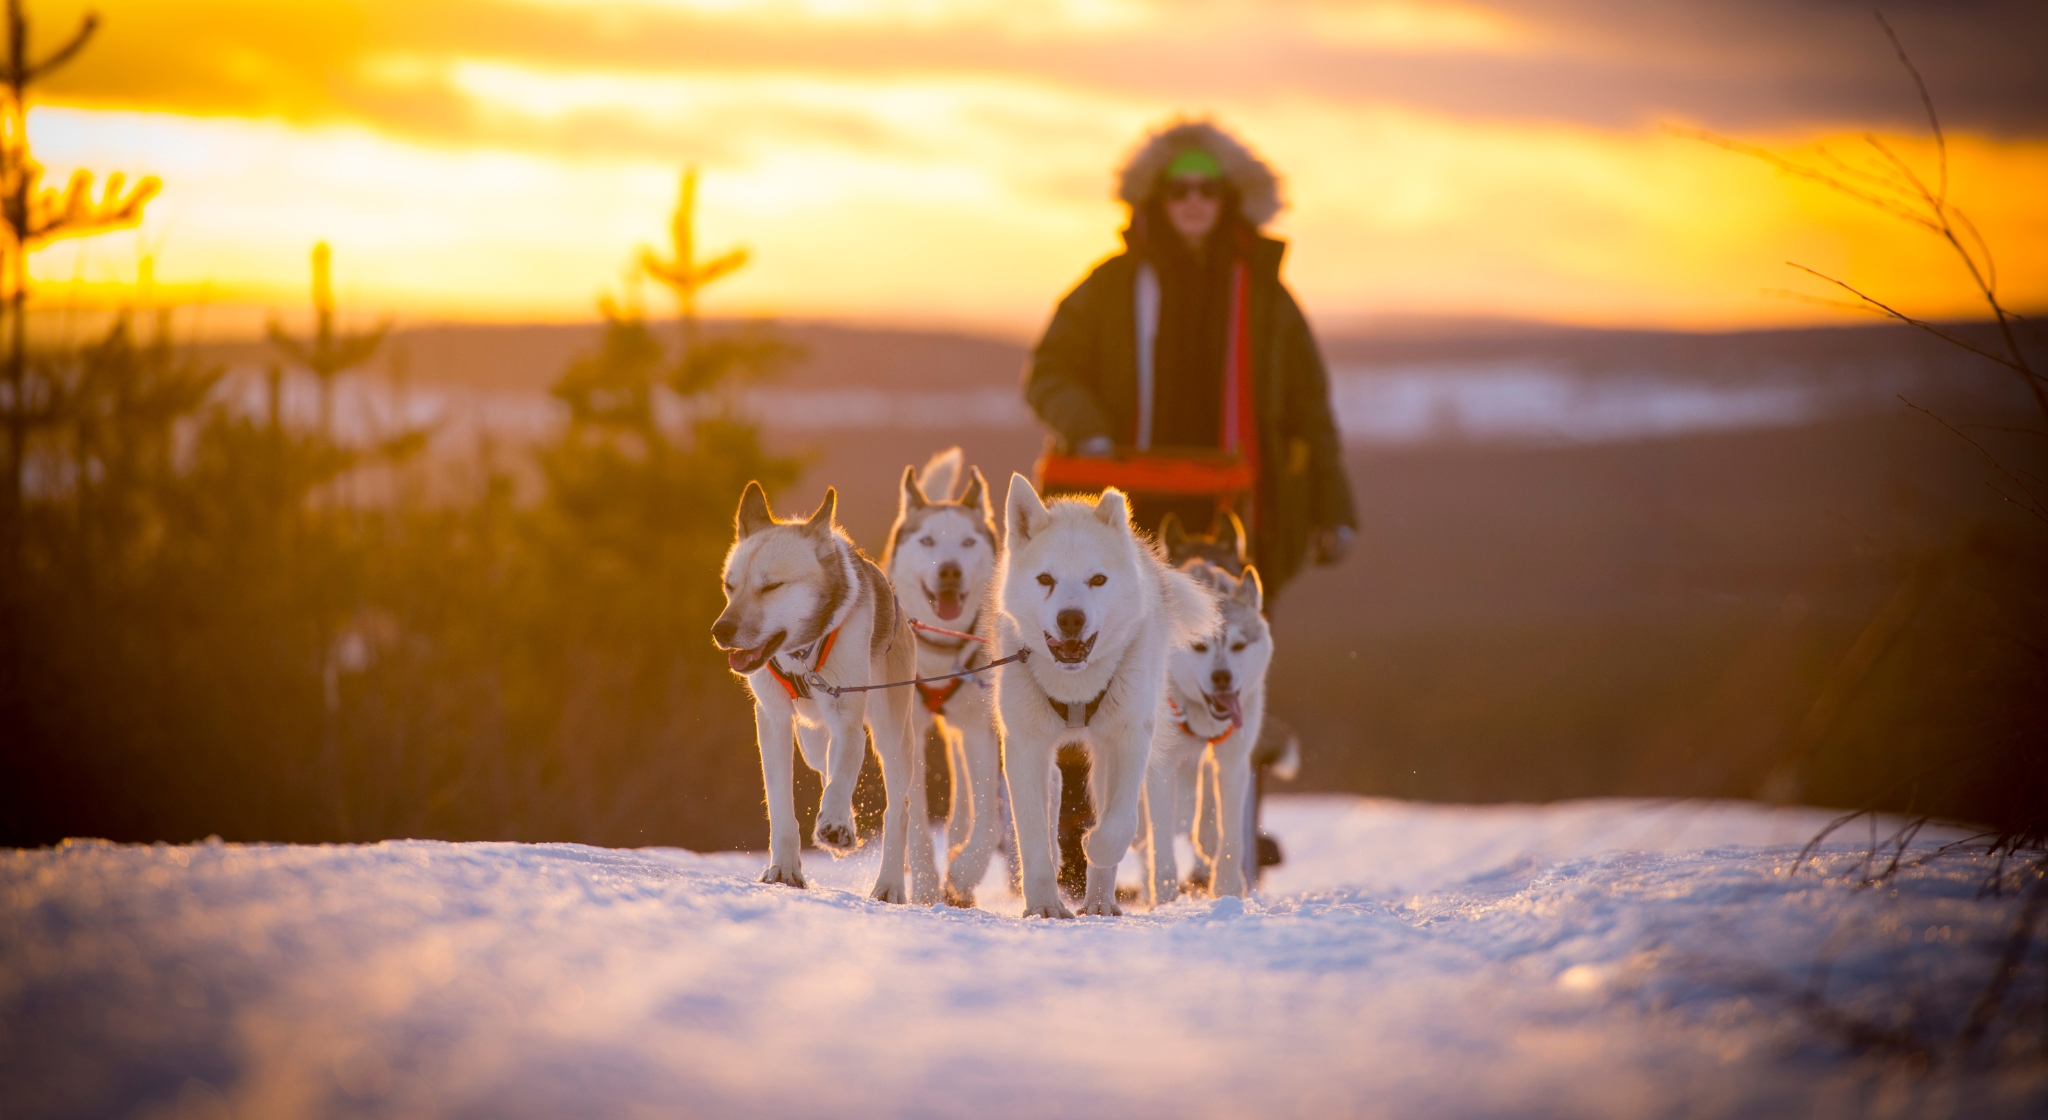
[(1224, 477)]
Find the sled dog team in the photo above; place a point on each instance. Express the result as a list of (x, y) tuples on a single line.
[(1068, 627)]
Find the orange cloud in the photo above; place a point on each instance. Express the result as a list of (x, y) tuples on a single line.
[(1730, 63), (908, 161)]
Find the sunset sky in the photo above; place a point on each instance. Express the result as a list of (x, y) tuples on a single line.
[(929, 163)]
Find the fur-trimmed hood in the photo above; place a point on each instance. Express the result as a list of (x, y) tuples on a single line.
[(1258, 189)]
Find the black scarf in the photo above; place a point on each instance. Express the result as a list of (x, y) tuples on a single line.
[(1194, 327)]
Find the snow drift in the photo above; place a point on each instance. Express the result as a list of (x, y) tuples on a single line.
[(1622, 959)]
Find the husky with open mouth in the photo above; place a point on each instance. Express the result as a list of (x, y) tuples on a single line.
[(806, 611), (1097, 608), (1276, 752), (941, 558), (1214, 705)]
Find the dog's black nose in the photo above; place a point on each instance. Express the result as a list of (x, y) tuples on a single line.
[(1220, 680), (722, 631), (1071, 622), (949, 574)]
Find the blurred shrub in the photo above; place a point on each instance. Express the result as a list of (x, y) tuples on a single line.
[(203, 636)]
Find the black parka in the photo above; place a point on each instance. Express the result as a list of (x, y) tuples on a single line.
[(1082, 381)]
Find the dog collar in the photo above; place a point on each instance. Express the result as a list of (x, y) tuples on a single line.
[(936, 643), (1192, 733), (1077, 715), (797, 687)]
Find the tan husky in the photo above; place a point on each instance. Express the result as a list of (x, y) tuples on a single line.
[(1215, 704), (805, 611), (942, 558)]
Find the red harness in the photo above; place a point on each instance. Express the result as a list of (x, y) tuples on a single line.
[(935, 698), (1190, 733), (824, 651)]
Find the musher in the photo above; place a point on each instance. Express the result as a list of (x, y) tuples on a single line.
[(1186, 342)]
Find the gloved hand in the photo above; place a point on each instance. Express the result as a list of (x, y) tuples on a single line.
[(1095, 447), (1329, 545)]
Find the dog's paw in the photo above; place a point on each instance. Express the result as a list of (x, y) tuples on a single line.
[(889, 892), (1054, 910), (1101, 908), (1164, 892), (962, 899), (786, 876), (836, 834)]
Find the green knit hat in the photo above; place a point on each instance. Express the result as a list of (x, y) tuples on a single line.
[(1194, 161)]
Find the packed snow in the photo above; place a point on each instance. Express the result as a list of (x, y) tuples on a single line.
[(1589, 959)]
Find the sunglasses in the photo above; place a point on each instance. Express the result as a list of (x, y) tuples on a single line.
[(1206, 187)]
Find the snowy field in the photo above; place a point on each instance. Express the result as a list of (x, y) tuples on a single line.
[(1590, 959)]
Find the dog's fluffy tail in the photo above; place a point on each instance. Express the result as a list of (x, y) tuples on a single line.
[(941, 473), (1189, 605)]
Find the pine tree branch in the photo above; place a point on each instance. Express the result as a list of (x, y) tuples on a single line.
[(64, 54)]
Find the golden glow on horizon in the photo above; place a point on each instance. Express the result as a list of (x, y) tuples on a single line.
[(1418, 27), (1064, 17), (917, 194)]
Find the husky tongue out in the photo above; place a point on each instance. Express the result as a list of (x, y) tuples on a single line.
[(947, 602), (1226, 706), (744, 661)]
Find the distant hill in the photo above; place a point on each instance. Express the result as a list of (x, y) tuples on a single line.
[(528, 357)]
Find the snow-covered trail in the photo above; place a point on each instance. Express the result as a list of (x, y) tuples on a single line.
[(1591, 959)]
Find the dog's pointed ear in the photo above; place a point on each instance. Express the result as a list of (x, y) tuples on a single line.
[(1171, 533), (1251, 591), (1026, 514), (820, 521), (975, 497), (913, 494), (1229, 532), (1114, 509), (754, 515)]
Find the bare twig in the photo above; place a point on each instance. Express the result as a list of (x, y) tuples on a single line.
[(1905, 172), (1930, 328), (1984, 277), (2032, 327), (1895, 188), (1902, 840), (1990, 262), (1801, 171), (1926, 101), (1812, 848), (1890, 181), (2009, 499), (2009, 428), (1821, 301), (2035, 508)]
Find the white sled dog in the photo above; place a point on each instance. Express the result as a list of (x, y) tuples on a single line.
[(805, 608), (941, 558), (1098, 608), (1214, 705)]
